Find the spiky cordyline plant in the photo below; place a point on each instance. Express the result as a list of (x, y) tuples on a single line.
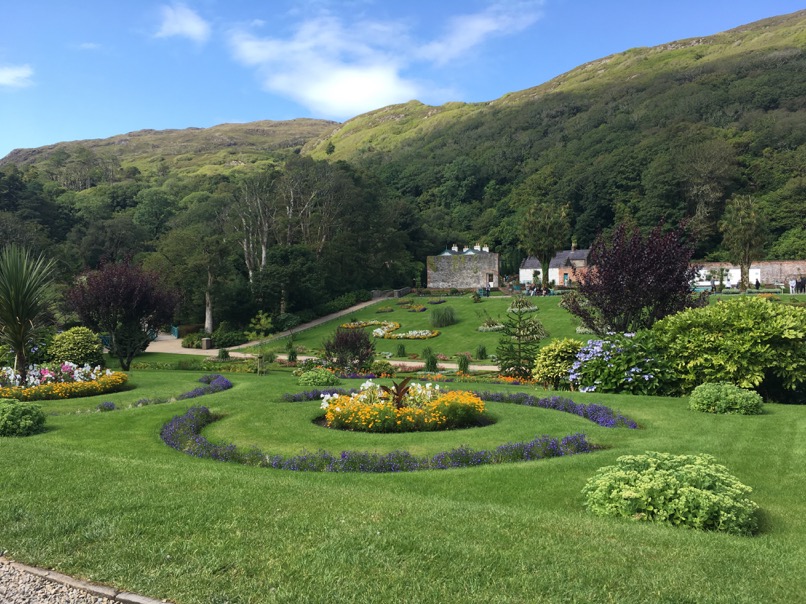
[(25, 301)]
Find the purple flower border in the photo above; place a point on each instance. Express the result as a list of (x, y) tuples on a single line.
[(183, 433)]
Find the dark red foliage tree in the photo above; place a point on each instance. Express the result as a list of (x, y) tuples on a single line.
[(635, 280), (124, 301)]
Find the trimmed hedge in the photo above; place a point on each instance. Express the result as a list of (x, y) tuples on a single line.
[(20, 419), (723, 397)]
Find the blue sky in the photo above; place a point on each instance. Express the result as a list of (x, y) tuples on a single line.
[(96, 68)]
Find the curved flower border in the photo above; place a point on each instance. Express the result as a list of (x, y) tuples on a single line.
[(183, 433), (384, 330)]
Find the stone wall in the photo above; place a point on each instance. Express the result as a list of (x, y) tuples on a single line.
[(462, 271), (772, 271)]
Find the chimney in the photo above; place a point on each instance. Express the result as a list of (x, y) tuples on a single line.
[(573, 245), (455, 247), (485, 248), (477, 247)]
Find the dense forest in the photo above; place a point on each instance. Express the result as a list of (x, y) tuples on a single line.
[(282, 216)]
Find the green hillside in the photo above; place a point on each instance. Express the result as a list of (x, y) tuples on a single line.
[(651, 135)]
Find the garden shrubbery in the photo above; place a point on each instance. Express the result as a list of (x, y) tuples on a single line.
[(20, 419), (554, 362), (723, 397), (318, 376), (681, 490), (630, 363), (748, 341), (349, 350), (78, 345)]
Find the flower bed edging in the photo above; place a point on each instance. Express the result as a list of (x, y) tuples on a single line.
[(183, 433)]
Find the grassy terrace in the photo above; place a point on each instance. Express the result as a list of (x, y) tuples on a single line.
[(463, 336), (98, 495)]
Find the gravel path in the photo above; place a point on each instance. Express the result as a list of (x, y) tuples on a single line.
[(20, 584)]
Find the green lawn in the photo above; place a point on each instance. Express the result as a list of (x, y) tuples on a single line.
[(98, 495), (460, 337)]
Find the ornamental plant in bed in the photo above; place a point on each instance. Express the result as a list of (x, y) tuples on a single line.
[(61, 380), (404, 407)]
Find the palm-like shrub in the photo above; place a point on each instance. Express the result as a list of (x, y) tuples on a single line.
[(25, 301)]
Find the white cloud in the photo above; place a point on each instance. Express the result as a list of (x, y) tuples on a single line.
[(465, 32), (89, 46), (179, 20), (331, 70), (16, 76), (340, 69)]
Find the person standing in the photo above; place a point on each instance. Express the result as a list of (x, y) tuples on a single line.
[(793, 284), (757, 284)]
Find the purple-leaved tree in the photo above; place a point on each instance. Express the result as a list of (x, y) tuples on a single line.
[(635, 280), (126, 302)]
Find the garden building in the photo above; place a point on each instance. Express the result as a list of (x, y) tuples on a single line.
[(468, 268), (561, 267)]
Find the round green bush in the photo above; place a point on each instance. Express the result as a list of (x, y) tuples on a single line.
[(443, 316), (554, 361), (383, 368), (78, 345), (723, 397), (318, 377), (681, 490), (20, 419)]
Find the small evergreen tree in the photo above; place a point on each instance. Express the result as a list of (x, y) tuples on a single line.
[(519, 343)]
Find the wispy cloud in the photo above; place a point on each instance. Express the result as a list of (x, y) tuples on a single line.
[(179, 20), (16, 76), (339, 68), (329, 68), (465, 32)]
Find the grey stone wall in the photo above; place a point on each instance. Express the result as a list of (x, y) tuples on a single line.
[(772, 271), (462, 271)]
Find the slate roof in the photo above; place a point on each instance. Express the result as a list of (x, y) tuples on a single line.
[(563, 258)]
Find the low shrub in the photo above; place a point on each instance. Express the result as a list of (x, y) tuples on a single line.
[(554, 362), (78, 345), (383, 369), (723, 397), (20, 419), (194, 340), (318, 377), (431, 364), (481, 352), (464, 363), (681, 490), (226, 336), (401, 350), (443, 316), (106, 406)]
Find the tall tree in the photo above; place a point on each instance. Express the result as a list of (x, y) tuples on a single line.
[(26, 301), (125, 301), (744, 233), (543, 231), (634, 280), (520, 340)]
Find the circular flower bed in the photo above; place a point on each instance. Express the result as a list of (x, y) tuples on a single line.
[(385, 329), (403, 408)]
